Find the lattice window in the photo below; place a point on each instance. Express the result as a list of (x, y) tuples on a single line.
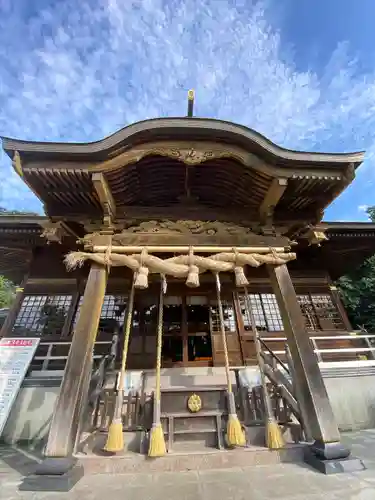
[(112, 314), (308, 311), (228, 313), (320, 312), (265, 310), (42, 315)]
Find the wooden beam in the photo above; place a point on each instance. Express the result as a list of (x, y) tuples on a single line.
[(273, 195), (126, 249), (104, 194), (310, 389)]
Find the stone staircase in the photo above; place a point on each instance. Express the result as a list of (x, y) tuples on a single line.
[(185, 432)]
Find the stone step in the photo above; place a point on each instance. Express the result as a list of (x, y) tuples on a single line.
[(186, 457), (188, 377)]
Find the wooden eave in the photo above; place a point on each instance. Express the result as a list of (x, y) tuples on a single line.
[(21, 230), (348, 245), (137, 166), (19, 235)]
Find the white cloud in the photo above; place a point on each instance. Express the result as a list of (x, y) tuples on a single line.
[(77, 71), (362, 208)]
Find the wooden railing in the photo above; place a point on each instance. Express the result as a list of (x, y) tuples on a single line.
[(134, 410)]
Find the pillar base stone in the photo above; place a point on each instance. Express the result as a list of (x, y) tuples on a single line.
[(333, 465), (55, 466), (329, 451), (54, 474)]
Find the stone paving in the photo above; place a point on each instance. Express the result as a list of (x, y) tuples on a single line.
[(283, 481)]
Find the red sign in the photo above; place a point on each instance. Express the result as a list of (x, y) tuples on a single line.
[(17, 343)]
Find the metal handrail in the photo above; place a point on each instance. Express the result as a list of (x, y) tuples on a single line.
[(339, 349), (324, 337), (274, 355)]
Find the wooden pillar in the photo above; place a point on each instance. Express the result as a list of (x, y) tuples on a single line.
[(75, 383), (8, 324), (310, 389)]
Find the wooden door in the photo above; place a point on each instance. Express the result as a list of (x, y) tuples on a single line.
[(198, 334), (234, 348), (245, 334)]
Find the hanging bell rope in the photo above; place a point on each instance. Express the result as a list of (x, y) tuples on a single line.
[(274, 437), (235, 433), (115, 438), (157, 446)]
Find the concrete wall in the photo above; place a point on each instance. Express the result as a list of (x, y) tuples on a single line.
[(29, 419), (351, 390)]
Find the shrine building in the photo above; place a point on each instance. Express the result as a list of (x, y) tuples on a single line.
[(206, 233)]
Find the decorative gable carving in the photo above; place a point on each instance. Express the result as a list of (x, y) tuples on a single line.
[(192, 232)]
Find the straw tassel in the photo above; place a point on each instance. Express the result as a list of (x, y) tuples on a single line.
[(115, 438), (274, 436), (192, 280), (239, 273), (235, 433), (141, 278), (240, 277), (157, 446)]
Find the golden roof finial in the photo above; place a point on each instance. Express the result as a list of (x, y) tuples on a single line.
[(191, 95)]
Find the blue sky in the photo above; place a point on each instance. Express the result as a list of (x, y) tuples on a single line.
[(300, 72)]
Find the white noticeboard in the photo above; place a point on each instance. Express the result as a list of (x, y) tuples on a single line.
[(15, 357)]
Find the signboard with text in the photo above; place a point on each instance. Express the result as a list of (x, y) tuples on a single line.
[(15, 357)]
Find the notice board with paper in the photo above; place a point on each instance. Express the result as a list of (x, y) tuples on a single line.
[(15, 358)]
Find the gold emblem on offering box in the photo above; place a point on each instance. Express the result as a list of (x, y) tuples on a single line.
[(194, 403)]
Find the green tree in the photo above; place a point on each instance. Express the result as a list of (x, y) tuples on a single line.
[(358, 291), (7, 292)]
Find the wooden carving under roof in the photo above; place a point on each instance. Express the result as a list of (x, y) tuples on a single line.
[(191, 232), (54, 232), (196, 153)]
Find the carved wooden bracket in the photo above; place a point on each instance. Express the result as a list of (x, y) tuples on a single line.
[(316, 235), (54, 232)]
